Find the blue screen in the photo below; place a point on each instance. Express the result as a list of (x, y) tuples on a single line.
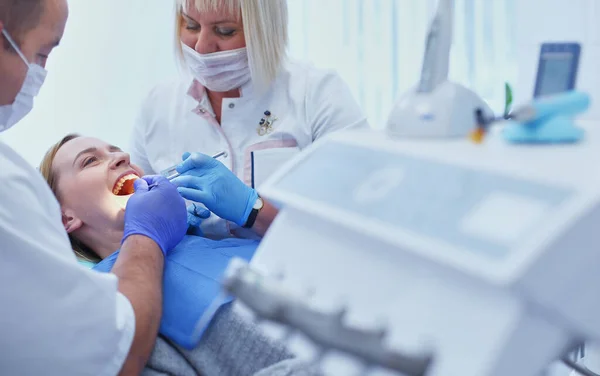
[(556, 74)]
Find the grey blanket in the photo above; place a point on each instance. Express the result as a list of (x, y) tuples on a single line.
[(230, 346)]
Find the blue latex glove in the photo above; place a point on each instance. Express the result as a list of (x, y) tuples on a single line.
[(195, 215), (206, 180), (156, 210)]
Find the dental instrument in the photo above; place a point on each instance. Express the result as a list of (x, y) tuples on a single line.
[(545, 120), (437, 107), (548, 120), (437, 49), (549, 117), (544, 108), (171, 172)]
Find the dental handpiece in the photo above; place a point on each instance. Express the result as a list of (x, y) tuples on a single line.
[(171, 172), (566, 104)]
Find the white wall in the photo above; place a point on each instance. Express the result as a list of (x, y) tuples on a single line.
[(559, 20), (115, 50), (112, 53), (377, 46)]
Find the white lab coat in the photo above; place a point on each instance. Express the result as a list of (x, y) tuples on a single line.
[(56, 317), (176, 117)]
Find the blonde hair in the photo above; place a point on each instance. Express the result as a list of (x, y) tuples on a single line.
[(265, 29), (82, 251)]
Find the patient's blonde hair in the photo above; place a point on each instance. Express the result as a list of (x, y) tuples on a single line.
[(265, 29), (82, 251)]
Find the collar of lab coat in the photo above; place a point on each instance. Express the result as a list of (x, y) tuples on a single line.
[(198, 92)]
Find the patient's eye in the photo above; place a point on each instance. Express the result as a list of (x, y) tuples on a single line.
[(88, 161)]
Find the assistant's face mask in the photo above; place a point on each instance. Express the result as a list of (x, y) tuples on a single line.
[(219, 71), (12, 113)]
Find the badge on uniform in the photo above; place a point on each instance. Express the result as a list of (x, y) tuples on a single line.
[(265, 126)]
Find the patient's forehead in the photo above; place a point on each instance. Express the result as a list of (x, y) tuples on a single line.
[(63, 160)]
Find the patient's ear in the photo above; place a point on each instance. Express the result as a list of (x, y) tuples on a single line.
[(70, 221)]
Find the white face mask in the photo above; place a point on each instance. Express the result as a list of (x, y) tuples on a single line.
[(219, 71), (12, 113)]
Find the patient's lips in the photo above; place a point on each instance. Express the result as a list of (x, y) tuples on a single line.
[(124, 186)]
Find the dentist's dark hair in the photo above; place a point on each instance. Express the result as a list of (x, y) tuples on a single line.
[(82, 251), (20, 16)]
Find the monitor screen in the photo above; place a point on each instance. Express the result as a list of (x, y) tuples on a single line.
[(556, 73)]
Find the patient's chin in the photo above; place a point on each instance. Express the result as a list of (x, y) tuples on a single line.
[(122, 201), (119, 219)]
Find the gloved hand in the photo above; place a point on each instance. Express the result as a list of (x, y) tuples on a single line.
[(156, 210), (195, 215), (206, 180)]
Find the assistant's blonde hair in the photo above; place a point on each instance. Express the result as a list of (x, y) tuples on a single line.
[(265, 28)]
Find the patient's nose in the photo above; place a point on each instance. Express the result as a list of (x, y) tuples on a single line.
[(120, 159)]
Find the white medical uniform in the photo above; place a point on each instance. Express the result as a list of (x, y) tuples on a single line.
[(56, 317), (177, 117)]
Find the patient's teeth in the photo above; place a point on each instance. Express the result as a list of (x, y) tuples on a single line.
[(122, 181)]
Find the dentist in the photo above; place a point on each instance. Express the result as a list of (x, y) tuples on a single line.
[(243, 96), (59, 318)]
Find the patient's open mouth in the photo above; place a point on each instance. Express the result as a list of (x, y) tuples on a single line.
[(124, 186)]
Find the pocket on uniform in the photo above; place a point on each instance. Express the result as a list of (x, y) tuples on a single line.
[(264, 158)]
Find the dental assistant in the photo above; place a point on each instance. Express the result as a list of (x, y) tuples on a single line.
[(57, 317), (243, 96)]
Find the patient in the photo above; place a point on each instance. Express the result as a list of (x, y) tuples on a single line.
[(92, 180)]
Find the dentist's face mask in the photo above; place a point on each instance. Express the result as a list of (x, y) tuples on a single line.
[(12, 113), (219, 71)]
